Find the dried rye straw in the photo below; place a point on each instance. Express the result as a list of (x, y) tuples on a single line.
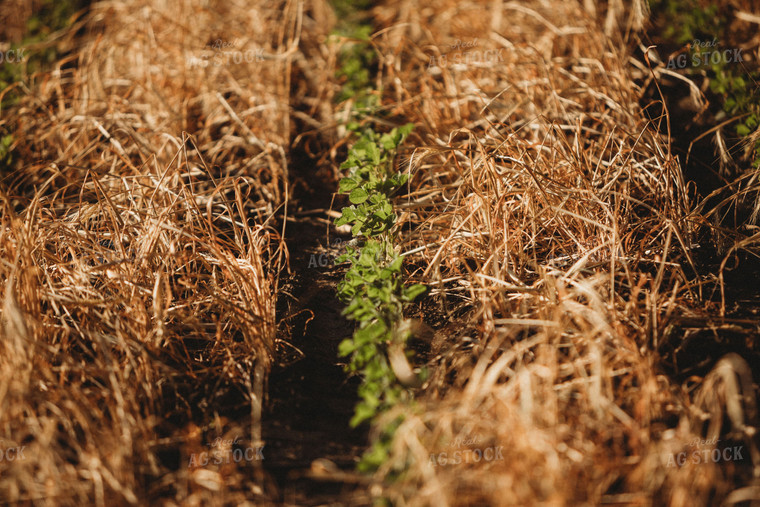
[(138, 256), (543, 200)]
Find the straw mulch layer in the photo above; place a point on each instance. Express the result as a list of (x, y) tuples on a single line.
[(545, 202), (139, 258), (141, 250)]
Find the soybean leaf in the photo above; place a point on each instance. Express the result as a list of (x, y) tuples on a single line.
[(358, 195), (347, 184), (370, 333), (412, 292), (346, 347)]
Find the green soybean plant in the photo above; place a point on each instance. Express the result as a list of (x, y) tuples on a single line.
[(373, 287), (371, 181)]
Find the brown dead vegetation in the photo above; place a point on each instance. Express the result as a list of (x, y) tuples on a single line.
[(141, 250), (544, 199)]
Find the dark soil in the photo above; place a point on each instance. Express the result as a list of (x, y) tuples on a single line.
[(311, 397), (694, 345), (311, 400)]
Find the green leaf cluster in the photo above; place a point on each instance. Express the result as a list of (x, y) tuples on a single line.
[(5, 152), (371, 181), (356, 59), (740, 98), (686, 20)]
